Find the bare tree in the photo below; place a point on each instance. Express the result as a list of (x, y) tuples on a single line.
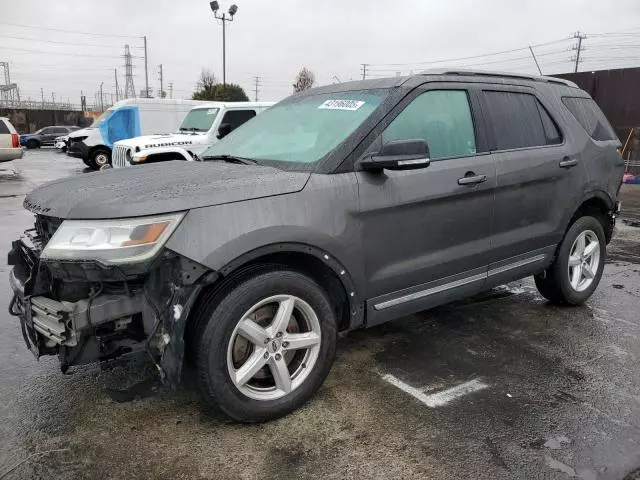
[(304, 80), (207, 80)]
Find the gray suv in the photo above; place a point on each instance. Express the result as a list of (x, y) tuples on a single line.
[(342, 207)]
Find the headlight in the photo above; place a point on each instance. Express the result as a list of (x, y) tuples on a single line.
[(111, 241)]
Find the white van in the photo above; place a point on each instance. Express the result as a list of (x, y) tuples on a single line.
[(126, 119), (203, 126)]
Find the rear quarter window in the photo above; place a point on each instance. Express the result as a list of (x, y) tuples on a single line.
[(3, 128), (589, 115)]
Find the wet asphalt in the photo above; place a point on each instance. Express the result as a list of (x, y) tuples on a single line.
[(562, 396)]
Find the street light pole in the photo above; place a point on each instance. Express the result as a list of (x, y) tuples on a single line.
[(233, 9), (224, 51)]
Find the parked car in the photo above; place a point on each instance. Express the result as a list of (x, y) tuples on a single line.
[(61, 143), (9, 141), (128, 118), (203, 126), (45, 136), (341, 207)]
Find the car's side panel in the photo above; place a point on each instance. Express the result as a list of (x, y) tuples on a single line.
[(533, 192), (420, 225)]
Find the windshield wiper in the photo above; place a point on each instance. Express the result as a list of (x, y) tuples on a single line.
[(231, 159), (191, 129)]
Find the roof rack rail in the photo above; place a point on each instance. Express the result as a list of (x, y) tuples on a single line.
[(488, 73)]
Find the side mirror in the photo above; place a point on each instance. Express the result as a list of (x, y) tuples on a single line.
[(398, 155), (224, 130)]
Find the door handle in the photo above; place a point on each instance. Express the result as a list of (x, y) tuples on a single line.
[(568, 162), (472, 179)]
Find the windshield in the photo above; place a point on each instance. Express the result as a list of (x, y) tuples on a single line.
[(301, 129), (199, 119), (100, 120)]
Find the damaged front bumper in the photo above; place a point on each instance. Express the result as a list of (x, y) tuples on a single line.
[(86, 312)]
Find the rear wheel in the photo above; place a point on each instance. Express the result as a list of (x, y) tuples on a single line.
[(33, 143), (267, 346), (99, 158), (577, 269)]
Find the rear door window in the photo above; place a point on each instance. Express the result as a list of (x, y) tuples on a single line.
[(440, 117), (235, 118), (520, 121), (589, 115)]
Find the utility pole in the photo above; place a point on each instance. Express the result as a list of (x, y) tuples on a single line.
[(101, 98), (115, 72), (53, 99), (170, 89), (42, 95), (233, 9), (161, 83), (364, 70), (146, 70), (257, 85), (578, 49), (535, 59)]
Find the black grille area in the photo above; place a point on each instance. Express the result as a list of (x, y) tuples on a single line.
[(46, 227)]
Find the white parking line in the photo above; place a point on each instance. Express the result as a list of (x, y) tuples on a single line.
[(437, 399)]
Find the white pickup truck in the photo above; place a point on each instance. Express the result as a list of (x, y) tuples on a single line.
[(203, 126)]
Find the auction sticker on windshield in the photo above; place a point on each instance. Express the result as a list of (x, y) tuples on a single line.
[(212, 111), (351, 105)]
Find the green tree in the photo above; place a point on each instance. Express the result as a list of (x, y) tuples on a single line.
[(208, 88)]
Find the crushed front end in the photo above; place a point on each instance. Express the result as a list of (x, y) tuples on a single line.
[(95, 310)]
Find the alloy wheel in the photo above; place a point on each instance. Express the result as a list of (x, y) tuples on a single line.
[(584, 260), (274, 347)]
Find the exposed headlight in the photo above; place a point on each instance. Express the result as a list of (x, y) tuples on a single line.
[(126, 240)]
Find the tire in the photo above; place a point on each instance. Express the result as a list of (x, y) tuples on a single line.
[(33, 143), (222, 352), (99, 157), (559, 283)]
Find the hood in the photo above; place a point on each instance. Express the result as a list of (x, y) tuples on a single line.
[(159, 188), (83, 132), (164, 140)]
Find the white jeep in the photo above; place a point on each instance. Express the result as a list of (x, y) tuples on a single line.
[(203, 126)]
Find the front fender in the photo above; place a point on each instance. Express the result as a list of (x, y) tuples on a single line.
[(321, 216), (148, 154)]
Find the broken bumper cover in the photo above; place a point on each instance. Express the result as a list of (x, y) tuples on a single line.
[(78, 149), (59, 323), (148, 313)]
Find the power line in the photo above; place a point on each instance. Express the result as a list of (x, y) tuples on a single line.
[(61, 43), (45, 52), (38, 27), (431, 62)]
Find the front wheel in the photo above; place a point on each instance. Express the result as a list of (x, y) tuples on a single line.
[(99, 158), (267, 346), (577, 269)]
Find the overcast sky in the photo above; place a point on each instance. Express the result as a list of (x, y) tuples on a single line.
[(274, 39)]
